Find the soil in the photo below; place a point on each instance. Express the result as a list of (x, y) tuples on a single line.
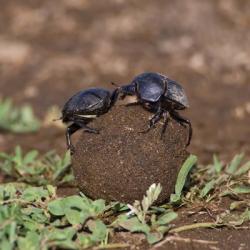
[(51, 49), (127, 162)]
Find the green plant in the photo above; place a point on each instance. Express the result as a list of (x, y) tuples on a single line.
[(217, 180), (17, 120), (154, 223), (32, 168), (182, 178), (34, 217)]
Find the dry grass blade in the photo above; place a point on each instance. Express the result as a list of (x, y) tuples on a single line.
[(181, 239)]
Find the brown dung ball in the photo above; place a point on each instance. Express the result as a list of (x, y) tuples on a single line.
[(120, 164)]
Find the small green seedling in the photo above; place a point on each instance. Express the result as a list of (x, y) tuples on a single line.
[(35, 218), (182, 177), (143, 218), (17, 120), (218, 180), (34, 169)]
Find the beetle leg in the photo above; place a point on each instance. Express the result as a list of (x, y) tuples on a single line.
[(73, 128), (69, 131), (132, 104), (156, 117), (182, 120), (88, 129), (165, 123)]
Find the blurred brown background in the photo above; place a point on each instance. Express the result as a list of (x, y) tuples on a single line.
[(51, 49)]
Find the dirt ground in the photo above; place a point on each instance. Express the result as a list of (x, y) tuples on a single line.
[(51, 49)]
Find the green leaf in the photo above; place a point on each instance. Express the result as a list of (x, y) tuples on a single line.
[(217, 164), (246, 215), (7, 191), (31, 241), (75, 201), (61, 234), (24, 121), (241, 190), (76, 217), (62, 166), (12, 232), (98, 229), (18, 155), (75, 208), (175, 198), (17, 120), (154, 237), (207, 188), (132, 224), (182, 176), (36, 214), (140, 209), (98, 206), (232, 167), (243, 169), (56, 207), (84, 240), (5, 244), (163, 229), (30, 157), (152, 195), (239, 204), (34, 194), (61, 238), (52, 190), (167, 218), (5, 106), (30, 225), (236, 190)]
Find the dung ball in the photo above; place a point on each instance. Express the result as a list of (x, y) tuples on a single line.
[(121, 163)]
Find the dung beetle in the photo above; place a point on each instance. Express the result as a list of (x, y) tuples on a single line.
[(83, 107), (161, 95)]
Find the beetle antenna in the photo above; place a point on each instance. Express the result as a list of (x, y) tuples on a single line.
[(115, 84), (165, 85), (57, 119)]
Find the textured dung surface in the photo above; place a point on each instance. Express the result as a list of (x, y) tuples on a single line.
[(120, 163)]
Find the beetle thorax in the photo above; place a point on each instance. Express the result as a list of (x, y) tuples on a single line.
[(149, 91)]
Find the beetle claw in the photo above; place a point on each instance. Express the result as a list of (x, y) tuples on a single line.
[(91, 130), (145, 131), (72, 150)]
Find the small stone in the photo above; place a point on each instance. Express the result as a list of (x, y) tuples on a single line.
[(120, 164)]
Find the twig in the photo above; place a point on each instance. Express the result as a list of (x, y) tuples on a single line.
[(110, 246), (210, 213), (194, 226), (186, 240)]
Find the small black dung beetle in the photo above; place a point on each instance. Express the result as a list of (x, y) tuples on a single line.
[(161, 95), (83, 107)]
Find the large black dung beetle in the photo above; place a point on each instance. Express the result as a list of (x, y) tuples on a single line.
[(162, 96), (84, 106)]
